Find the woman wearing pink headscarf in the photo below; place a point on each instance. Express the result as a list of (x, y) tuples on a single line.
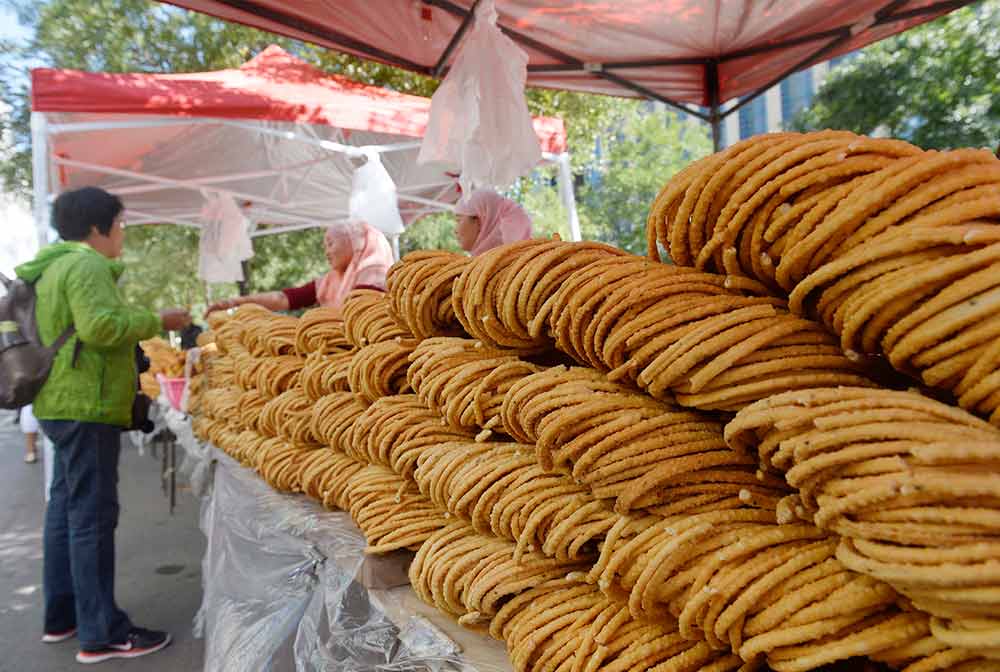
[(489, 220), (359, 257)]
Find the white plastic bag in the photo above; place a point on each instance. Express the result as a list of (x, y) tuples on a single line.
[(373, 197), (225, 239), (479, 121)]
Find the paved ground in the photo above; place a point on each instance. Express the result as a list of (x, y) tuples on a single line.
[(159, 564)]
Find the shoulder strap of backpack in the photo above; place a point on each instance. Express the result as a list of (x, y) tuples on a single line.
[(61, 341)]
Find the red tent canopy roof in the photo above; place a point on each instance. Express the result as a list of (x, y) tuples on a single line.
[(702, 52), (273, 86)]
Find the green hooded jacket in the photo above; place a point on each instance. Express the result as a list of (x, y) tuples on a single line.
[(76, 285)]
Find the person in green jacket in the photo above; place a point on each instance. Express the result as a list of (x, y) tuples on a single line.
[(83, 407)]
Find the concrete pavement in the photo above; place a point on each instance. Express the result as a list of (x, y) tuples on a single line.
[(159, 564)]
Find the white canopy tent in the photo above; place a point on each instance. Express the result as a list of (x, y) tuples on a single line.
[(278, 135)]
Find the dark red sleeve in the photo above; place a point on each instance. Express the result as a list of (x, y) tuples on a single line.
[(301, 297)]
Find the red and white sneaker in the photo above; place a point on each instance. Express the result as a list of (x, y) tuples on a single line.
[(56, 637), (139, 642)]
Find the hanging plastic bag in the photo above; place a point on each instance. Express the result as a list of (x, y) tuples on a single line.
[(225, 239), (479, 121), (373, 197)]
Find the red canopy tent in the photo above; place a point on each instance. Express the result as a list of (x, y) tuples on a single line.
[(680, 52), (278, 134)]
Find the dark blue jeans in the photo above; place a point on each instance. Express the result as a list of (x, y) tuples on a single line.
[(79, 541)]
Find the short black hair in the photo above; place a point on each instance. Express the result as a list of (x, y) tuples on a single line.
[(76, 212)]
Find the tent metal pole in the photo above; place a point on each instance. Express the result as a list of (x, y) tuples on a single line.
[(712, 97), (150, 218), (297, 227), (40, 176), (244, 284), (446, 207), (716, 131), (813, 57), (442, 62), (565, 181), (181, 184)]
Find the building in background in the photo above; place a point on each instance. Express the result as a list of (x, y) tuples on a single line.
[(774, 109)]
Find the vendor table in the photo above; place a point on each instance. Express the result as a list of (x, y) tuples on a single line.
[(283, 586)]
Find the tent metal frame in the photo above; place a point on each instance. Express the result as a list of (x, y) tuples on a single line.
[(829, 41), (277, 212)]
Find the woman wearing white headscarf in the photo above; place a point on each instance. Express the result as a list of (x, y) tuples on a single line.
[(359, 256), (489, 220)]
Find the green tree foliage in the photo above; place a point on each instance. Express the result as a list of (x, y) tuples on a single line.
[(287, 259), (647, 149), (432, 232), (151, 249), (937, 85)]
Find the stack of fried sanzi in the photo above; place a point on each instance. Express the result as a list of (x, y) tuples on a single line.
[(612, 463)]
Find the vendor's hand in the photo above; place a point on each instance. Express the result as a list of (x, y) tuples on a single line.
[(225, 304), (175, 319)]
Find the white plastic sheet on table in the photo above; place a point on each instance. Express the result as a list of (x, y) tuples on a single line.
[(196, 462), (280, 593), (479, 121)]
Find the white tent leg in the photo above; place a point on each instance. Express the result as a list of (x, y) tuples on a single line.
[(395, 247), (568, 197), (40, 175)]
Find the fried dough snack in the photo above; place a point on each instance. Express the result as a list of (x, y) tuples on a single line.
[(730, 212), (500, 489), (710, 342), (267, 334), (221, 371), (911, 485), (464, 381), (367, 319), (332, 420), (419, 289), (379, 370), (470, 576), (895, 250), (278, 374), (568, 624), (625, 446), (325, 373), (326, 475), (163, 358), (691, 336), (245, 367), (289, 415), (280, 462), (500, 293), (250, 406), (320, 330), (222, 404), (390, 511), (394, 431), (739, 579), (927, 297), (247, 446)]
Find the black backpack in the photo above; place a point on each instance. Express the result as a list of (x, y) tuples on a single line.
[(24, 362)]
